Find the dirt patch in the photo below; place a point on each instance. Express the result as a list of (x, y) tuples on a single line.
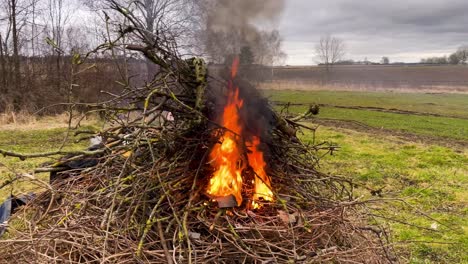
[(459, 145), (307, 85), (398, 78)]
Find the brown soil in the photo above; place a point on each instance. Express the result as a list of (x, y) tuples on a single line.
[(401, 78)]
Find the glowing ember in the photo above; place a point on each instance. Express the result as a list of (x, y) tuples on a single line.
[(227, 156)]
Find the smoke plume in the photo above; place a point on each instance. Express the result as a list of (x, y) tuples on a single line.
[(233, 24), (241, 16)]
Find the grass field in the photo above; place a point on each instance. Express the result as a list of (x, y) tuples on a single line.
[(444, 104), (431, 179), (438, 126), (424, 184), (35, 138)]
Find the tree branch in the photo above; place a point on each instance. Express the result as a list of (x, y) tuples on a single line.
[(23, 157)]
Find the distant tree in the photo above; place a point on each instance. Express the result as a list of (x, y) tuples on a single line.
[(14, 13), (385, 60), (168, 19), (215, 36), (454, 59), (462, 54), (436, 60), (330, 50), (267, 49), (366, 61), (3, 85), (59, 15), (246, 56), (15, 30), (442, 60), (345, 62)]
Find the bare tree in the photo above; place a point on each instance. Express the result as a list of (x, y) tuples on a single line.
[(454, 59), (13, 5), (330, 50), (59, 16), (462, 54), (34, 29), (76, 40), (269, 50), (16, 12), (266, 46), (385, 60), (5, 25), (3, 73), (436, 60), (173, 18), (221, 34)]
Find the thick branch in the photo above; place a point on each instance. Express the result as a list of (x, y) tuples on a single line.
[(313, 110), (282, 125), (48, 154), (149, 54)]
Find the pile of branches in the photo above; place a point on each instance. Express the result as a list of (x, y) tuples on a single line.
[(143, 199)]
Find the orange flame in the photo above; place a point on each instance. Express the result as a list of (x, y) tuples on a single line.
[(262, 181), (227, 179), (227, 156)]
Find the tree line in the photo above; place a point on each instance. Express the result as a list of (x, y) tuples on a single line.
[(458, 57), (330, 51), (38, 39), (46, 46)]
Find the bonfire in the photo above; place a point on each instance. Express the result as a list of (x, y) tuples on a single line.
[(225, 180)]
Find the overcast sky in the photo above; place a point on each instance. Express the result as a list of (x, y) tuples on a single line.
[(403, 30)]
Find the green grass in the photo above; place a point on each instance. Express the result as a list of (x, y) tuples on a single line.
[(424, 125), (30, 141), (430, 179), (448, 104), (442, 104)]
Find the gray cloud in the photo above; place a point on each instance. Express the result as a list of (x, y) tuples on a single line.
[(404, 30)]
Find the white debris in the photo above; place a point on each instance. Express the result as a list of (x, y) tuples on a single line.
[(194, 235), (168, 116), (95, 141), (127, 139)]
